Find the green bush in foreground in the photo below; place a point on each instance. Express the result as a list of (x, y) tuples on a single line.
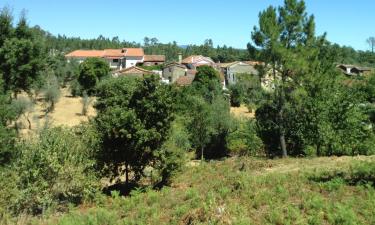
[(53, 170)]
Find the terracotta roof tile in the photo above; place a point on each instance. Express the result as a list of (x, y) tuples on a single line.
[(133, 70), (154, 58), (85, 53), (107, 53), (196, 58), (133, 51)]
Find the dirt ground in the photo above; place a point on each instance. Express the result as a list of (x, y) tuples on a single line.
[(68, 112), (242, 111)]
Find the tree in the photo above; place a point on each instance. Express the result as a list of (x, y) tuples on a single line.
[(22, 55), (51, 93), (285, 37), (133, 118), (7, 134), (23, 107), (207, 83), (371, 42), (91, 71), (200, 125)]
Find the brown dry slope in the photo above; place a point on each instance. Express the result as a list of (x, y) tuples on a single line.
[(67, 113)]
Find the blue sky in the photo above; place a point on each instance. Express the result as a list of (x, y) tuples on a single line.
[(229, 22)]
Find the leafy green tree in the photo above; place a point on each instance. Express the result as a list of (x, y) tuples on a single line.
[(22, 56), (200, 125), (133, 118), (7, 134), (91, 71), (172, 156), (286, 37), (207, 83)]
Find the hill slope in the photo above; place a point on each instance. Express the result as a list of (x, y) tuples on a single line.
[(336, 190)]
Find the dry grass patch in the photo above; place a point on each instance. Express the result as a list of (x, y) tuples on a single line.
[(242, 112), (68, 112)]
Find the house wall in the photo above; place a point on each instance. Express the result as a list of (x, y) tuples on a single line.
[(152, 63), (132, 61), (114, 65), (237, 69), (172, 73)]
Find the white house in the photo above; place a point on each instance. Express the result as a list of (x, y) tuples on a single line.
[(116, 58)]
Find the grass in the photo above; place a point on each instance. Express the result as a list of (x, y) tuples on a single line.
[(242, 112), (245, 191), (68, 112)]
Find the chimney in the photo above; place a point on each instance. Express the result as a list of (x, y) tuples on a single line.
[(179, 58)]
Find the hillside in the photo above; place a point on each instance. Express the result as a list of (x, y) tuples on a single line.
[(333, 190)]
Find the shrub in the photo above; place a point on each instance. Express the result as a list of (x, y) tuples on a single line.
[(172, 156), (55, 169), (243, 139), (51, 94), (236, 95), (75, 88), (23, 107), (86, 101)]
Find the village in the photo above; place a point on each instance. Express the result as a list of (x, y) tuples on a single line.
[(199, 112), (134, 62)]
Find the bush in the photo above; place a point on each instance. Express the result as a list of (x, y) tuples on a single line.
[(55, 169), (75, 88), (243, 139), (51, 93), (236, 95), (172, 156), (86, 101)]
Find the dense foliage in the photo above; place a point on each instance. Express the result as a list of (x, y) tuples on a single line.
[(143, 131), (133, 118), (91, 71)]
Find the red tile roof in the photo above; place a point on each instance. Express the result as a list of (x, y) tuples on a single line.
[(85, 53), (107, 53), (196, 58), (154, 58), (133, 51), (133, 70)]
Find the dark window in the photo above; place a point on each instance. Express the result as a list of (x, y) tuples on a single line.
[(115, 60)]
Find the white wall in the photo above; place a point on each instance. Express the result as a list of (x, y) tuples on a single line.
[(132, 61)]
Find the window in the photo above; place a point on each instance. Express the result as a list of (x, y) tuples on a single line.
[(115, 60)]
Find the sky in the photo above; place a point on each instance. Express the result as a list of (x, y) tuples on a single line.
[(230, 22)]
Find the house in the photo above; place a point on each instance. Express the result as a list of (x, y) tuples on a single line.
[(173, 71), (116, 58), (153, 60), (132, 71), (353, 70), (195, 61), (230, 71)]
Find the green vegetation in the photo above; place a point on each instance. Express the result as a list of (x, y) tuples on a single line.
[(134, 117), (91, 71), (247, 191), (136, 160)]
